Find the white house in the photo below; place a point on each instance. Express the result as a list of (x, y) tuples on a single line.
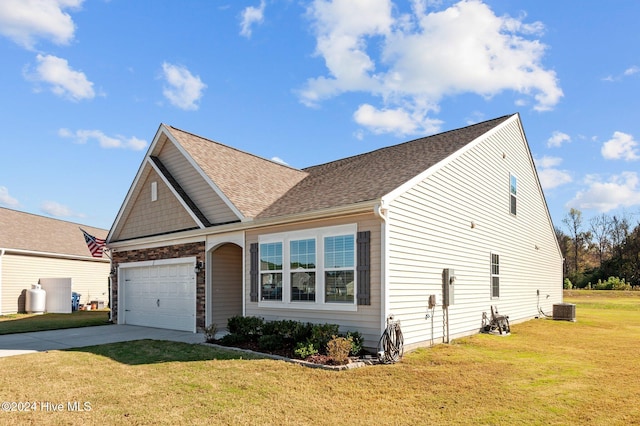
[(207, 232)]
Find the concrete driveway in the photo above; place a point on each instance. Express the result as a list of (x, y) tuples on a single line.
[(42, 341)]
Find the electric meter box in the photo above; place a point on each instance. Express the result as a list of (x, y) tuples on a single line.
[(448, 286)]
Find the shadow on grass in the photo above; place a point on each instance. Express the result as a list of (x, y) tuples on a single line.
[(25, 323), (139, 352)]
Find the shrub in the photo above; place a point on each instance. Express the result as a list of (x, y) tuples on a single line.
[(619, 284), (307, 339), (356, 342), (305, 349), (322, 333), (567, 284), (232, 339), (302, 331), (270, 342), (251, 327), (210, 333), (287, 329), (613, 283), (338, 349)]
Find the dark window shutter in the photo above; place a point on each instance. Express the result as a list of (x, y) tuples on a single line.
[(364, 268), (254, 271)]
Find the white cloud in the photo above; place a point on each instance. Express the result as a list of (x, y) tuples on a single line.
[(423, 57), (632, 70), (83, 136), (6, 199), (548, 173), (621, 146), (547, 162), (64, 81), (557, 139), (341, 29), (552, 178), (619, 191), (55, 209), (24, 21), (183, 89), (251, 16), (397, 120)]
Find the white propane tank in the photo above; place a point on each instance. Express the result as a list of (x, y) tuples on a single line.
[(36, 298)]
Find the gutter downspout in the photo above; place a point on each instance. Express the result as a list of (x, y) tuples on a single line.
[(381, 212), (110, 297), (2, 251)]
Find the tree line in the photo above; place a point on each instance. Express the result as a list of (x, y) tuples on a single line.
[(604, 247)]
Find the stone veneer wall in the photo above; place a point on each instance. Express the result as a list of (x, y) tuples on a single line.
[(159, 253)]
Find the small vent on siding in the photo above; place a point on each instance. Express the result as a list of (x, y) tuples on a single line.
[(564, 311)]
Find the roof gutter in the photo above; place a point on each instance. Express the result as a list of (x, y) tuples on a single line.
[(52, 255), (200, 234), (1, 256)]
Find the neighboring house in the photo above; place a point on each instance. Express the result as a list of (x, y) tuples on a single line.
[(34, 247), (348, 242)]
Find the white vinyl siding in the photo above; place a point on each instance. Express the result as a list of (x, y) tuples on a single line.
[(89, 278), (455, 218)]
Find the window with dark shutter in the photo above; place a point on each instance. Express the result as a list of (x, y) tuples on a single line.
[(364, 267)]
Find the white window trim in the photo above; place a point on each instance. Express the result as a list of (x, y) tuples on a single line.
[(269, 271), (513, 175), (318, 234), (492, 275)]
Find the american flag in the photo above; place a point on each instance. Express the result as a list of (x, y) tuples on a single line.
[(96, 245)]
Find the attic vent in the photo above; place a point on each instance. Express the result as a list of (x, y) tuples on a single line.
[(564, 311), (154, 191)]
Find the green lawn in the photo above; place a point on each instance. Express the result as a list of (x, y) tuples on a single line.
[(22, 323), (545, 373)]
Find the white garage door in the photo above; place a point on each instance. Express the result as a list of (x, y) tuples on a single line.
[(161, 296)]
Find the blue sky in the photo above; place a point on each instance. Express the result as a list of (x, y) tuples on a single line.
[(85, 84)]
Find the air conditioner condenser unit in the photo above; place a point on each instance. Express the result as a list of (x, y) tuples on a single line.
[(564, 311)]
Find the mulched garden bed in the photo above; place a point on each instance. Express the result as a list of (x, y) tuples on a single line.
[(287, 352)]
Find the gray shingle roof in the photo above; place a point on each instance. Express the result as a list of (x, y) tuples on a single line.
[(371, 175), (26, 231), (261, 188), (250, 182)]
